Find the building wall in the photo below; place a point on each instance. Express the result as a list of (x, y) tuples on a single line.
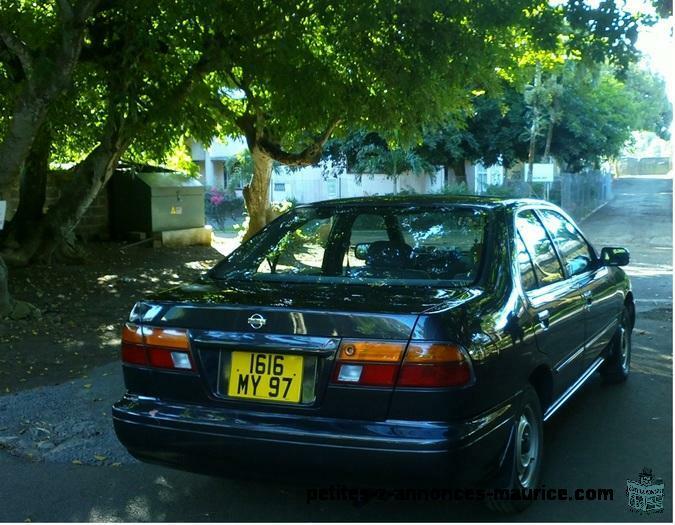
[(486, 176), (210, 159)]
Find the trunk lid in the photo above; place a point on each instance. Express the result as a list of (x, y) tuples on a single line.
[(230, 324)]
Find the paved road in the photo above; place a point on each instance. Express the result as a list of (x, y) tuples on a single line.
[(604, 436)]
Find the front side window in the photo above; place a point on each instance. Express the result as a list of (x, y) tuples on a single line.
[(546, 264), (398, 244), (572, 247)]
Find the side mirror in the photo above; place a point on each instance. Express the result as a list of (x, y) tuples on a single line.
[(614, 256), (361, 250)]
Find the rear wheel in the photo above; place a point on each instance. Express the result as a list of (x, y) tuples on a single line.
[(522, 464), (617, 365)]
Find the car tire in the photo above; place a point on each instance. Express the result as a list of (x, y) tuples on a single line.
[(520, 470), (616, 367)]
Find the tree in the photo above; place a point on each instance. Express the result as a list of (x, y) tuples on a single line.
[(133, 77), (594, 114), (493, 127), (490, 133), (599, 112), (367, 153), (41, 45), (136, 73), (39, 50), (654, 110), (330, 67)]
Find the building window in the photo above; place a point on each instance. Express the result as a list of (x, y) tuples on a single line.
[(279, 186)]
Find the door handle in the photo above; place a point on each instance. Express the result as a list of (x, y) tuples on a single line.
[(543, 317), (588, 297)]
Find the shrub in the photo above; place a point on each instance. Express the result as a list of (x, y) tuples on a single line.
[(220, 206), (455, 188)]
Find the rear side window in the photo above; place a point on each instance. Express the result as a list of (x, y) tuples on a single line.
[(572, 247), (546, 264), (527, 277), (300, 251)]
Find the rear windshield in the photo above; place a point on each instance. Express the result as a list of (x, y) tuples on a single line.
[(395, 245)]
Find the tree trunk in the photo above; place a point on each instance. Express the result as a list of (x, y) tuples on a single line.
[(44, 83), (33, 189), (549, 139), (459, 168), (10, 307), (530, 154), (27, 119), (56, 227), (534, 127), (5, 298), (257, 193)]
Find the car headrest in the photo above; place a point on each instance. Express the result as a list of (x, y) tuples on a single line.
[(387, 254)]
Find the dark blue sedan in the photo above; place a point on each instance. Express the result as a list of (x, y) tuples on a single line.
[(427, 335)]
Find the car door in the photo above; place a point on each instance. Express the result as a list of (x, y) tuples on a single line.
[(590, 279), (554, 304)]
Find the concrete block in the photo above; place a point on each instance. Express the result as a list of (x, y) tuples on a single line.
[(187, 237)]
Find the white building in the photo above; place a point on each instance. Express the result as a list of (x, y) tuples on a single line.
[(211, 160)]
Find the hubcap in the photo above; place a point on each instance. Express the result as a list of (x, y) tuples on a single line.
[(624, 348), (527, 448)]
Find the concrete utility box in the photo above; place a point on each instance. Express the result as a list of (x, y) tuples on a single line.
[(154, 202)]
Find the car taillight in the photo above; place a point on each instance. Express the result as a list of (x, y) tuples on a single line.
[(157, 347), (382, 363), (368, 363), (434, 365)]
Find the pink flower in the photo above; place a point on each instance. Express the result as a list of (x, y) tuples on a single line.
[(217, 198)]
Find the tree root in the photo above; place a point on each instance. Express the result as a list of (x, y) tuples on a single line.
[(10, 307), (20, 310)]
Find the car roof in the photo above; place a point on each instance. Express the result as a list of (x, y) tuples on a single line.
[(484, 201)]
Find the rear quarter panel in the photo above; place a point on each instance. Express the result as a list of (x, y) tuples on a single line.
[(495, 329)]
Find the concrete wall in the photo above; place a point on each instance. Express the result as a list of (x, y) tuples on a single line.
[(479, 177), (94, 223), (310, 185)]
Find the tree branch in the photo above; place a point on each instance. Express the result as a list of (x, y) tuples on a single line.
[(310, 155), (66, 9), (19, 50), (82, 10), (209, 61)]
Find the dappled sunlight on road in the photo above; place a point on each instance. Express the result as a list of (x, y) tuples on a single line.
[(648, 270), (668, 175), (137, 509), (651, 361), (225, 243), (188, 497), (202, 265)]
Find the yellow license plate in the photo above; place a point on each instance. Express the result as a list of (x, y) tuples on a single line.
[(273, 377)]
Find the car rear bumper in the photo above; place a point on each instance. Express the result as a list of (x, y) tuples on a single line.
[(228, 442)]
